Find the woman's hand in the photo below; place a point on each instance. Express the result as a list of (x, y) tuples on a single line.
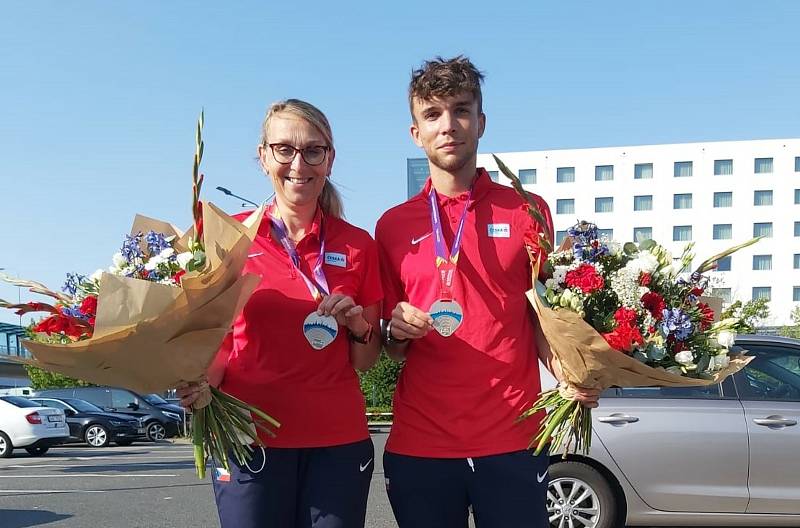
[(346, 312), (194, 395)]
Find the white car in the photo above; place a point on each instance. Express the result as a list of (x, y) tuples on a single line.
[(28, 425)]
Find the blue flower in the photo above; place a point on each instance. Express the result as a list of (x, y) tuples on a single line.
[(131, 249), (74, 280), (156, 242), (676, 323), (74, 311), (585, 242)]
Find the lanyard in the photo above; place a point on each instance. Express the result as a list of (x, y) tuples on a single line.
[(316, 284), (446, 261)]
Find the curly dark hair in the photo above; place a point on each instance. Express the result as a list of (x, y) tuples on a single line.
[(440, 77)]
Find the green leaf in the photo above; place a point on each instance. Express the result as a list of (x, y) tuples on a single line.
[(630, 248), (647, 245)]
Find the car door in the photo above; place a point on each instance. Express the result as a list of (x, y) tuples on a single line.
[(769, 388), (683, 449)]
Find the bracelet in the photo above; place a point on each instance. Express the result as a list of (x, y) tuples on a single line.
[(362, 340), (392, 340)]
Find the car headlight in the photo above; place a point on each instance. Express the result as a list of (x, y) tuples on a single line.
[(115, 423), (172, 415)]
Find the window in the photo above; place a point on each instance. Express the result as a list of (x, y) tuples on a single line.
[(797, 164), (723, 231), (608, 233), (703, 392), (724, 264), (604, 173), (682, 201), (560, 236), (643, 171), (762, 292), (773, 375), (682, 233), (722, 293), (762, 262), (796, 263), (565, 174), (643, 203), (723, 167), (494, 176), (763, 165), (723, 199), (797, 196), (796, 294), (122, 399), (527, 176), (683, 169), (565, 206), (642, 233), (762, 198), (796, 229), (764, 229), (604, 204)]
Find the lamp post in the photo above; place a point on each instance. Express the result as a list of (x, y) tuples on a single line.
[(244, 200)]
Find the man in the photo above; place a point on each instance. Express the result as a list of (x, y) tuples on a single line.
[(455, 268)]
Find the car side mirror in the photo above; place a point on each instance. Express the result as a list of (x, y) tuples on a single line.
[(69, 412), (133, 406)]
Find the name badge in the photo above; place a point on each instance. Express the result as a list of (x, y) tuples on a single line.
[(336, 259), (499, 230)]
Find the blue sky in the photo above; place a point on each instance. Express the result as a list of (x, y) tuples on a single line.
[(98, 100)]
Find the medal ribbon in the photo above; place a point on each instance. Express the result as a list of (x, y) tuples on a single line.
[(318, 283), (446, 261)]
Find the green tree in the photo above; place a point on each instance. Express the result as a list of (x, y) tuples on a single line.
[(794, 329), (44, 379), (748, 315), (379, 382)]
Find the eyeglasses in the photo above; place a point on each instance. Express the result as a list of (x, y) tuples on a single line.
[(285, 154)]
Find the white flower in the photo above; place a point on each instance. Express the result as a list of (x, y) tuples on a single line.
[(118, 260), (721, 361), (551, 284), (684, 357), (559, 273), (166, 253), (96, 275), (625, 283), (726, 338), (153, 263), (647, 262), (184, 259), (614, 247)]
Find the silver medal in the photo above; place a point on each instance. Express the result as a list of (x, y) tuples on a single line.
[(320, 330), (447, 317)]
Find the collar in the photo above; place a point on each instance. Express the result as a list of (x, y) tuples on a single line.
[(316, 223), (481, 185)]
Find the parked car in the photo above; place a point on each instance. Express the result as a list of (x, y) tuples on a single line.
[(158, 423), (28, 425), (720, 455), (91, 424), (166, 405)]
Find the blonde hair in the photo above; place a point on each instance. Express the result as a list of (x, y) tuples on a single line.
[(330, 200)]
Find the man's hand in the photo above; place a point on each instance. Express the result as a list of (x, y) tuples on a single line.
[(409, 322), (587, 397)]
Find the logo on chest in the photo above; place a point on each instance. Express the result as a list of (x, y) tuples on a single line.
[(336, 259), (499, 230)]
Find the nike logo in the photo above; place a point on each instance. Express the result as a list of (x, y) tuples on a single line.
[(415, 241), (362, 467), (540, 478)]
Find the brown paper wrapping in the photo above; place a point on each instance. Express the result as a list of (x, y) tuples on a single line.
[(151, 337)]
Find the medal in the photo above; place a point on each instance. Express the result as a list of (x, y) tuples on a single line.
[(319, 330), (447, 317), (446, 313)]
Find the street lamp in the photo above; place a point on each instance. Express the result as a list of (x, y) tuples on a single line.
[(229, 193)]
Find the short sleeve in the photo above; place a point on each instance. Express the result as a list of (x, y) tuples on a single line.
[(370, 290)]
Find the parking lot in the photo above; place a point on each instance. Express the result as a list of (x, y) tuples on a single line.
[(141, 486)]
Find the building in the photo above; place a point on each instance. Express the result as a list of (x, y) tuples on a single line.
[(12, 374), (716, 194), (418, 171)]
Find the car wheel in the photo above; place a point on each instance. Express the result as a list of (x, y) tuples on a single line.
[(96, 436), (156, 431), (124, 443), (5, 445), (579, 495), (37, 451)]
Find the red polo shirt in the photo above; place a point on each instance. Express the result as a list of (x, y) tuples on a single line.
[(314, 394), (460, 396)]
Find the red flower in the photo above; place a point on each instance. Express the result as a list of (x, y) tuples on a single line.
[(625, 317), (698, 291), (706, 316), (177, 277), (585, 278), (623, 337), (54, 324), (654, 304), (645, 279), (89, 306)]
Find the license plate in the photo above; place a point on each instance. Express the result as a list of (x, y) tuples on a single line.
[(54, 418), (140, 430)]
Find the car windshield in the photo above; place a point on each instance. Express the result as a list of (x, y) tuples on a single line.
[(83, 406), (154, 399), (20, 402)]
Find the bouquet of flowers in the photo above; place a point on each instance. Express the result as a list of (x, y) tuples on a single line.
[(622, 315), (157, 317)]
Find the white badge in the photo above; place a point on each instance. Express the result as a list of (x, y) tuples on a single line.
[(447, 317), (336, 259), (499, 230), (320, 330)]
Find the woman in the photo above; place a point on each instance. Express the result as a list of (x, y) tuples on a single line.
[(293, 350)]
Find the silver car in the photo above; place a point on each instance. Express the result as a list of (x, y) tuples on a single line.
[(722, 455)]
